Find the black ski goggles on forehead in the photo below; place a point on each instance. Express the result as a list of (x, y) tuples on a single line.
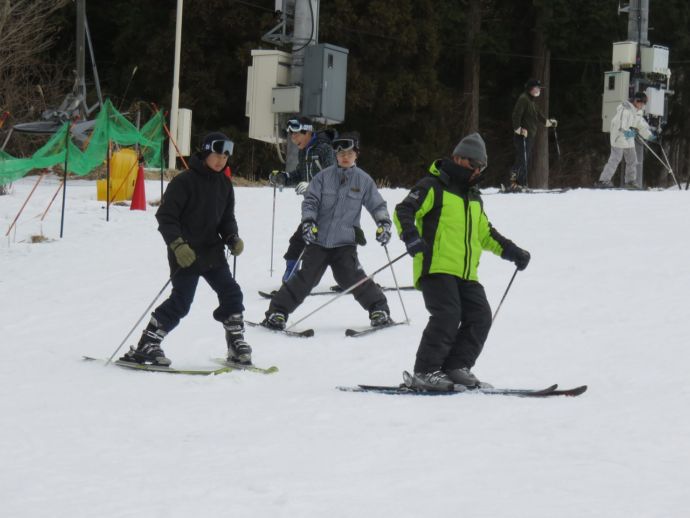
[(293, 126), (222, 147), (344, 144)]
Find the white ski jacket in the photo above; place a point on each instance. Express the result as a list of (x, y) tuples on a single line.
[(628, 117)]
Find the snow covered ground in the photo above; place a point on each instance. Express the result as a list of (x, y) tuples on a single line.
[(604, 302)]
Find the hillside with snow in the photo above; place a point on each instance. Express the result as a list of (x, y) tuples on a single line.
[(604, 302)]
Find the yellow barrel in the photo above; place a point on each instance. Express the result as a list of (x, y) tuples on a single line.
[(123, 175)]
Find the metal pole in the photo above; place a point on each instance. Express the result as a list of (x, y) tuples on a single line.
[(64, 180), (524, 150), (175, 103), (234, 267), (666, 165), (273, 227), (38, 180), (80, 48), (354, 286), (107, 183), (504, 296), (397, 286), (138, 321)]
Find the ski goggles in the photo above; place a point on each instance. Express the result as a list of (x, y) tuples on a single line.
[(293, 126), (222, 147), (476, 164), (344, 144)]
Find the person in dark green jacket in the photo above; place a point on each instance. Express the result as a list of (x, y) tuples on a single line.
[(445, 229), (526, 120)]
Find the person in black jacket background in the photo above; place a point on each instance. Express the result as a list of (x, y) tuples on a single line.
[(197, 220)]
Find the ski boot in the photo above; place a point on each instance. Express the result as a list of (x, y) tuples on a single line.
[(148, 350), (437, 381), (239, 351), (379, 317), (464, 376), (275, 320), (603, 185)]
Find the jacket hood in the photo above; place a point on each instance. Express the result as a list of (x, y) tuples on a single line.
[(451, 173)]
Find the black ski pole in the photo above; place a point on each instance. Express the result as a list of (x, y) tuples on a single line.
[(355, 285), (140, 319), (234, 267), (504, 296), (524, 150)]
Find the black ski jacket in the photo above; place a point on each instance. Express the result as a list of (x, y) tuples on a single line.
[(198, 206)]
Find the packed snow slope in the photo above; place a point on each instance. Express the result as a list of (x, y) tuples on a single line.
[(604, 302)]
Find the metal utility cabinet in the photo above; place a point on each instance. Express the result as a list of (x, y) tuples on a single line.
[(324, 83)]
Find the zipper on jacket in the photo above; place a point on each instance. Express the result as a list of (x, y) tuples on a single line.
[(468, 236)]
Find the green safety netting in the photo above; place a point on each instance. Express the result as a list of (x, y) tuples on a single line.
[(110, 125)]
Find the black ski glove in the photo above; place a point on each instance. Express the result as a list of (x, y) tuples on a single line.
[(414, 243), (517, 255), (310, 232)]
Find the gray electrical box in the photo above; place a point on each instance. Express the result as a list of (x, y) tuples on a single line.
[(324, 83)]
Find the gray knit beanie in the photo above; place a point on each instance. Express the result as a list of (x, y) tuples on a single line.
[(472, 146)]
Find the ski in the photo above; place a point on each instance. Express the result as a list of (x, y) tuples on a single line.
[(335, 289), (403, 389), (161, 368), (526, 190), (244, 367), (306, 333), (370, 329)]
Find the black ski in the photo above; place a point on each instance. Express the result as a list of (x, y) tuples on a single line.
[(335, 289), (370, 329), (403, 389), (289, 332), (526, 190)]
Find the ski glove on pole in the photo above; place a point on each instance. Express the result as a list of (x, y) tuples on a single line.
[(521, 131), (551, 123), (278, 178), (516, 255), (414, 243), (310, 232), (184, 254), (383, 232), (235, 244), (630, 133)]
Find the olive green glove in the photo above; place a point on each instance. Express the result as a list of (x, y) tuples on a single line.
[(235, 244), (184, 254)]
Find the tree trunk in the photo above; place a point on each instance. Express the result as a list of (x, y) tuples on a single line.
[(471, 69), (541, 69)]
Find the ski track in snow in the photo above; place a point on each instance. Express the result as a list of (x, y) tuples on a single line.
[(603, 302)]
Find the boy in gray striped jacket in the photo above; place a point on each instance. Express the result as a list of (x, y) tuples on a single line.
[(331, 228)]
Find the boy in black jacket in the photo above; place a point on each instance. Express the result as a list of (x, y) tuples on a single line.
[(197, 220)]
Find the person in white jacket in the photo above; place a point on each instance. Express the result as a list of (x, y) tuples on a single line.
[(625, 126)]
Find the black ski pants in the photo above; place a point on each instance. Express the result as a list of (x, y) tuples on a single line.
[(459, 322), (523, 157), (346, 271), (296, 246), (184, 283)]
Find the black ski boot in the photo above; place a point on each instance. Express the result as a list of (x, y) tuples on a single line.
[(437, 381), (275, 320), (464, 376), (379, 317), (239, 351), (148, 350)]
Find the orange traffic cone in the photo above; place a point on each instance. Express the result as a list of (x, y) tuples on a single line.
[(139, 195)]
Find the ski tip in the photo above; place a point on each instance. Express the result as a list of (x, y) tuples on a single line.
[(307, 333)]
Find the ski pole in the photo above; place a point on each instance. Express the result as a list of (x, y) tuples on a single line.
[(234, 267), (504, 296), (555, 139), (668, 162), (524, 151), (140, 319), (273, 227), (296, 265), (354, 286), (397, 286), (666, 165)]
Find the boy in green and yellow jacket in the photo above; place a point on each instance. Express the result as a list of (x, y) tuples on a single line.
[(445, 229)]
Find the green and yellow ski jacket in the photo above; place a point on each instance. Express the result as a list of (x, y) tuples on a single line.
[(449, 215)]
